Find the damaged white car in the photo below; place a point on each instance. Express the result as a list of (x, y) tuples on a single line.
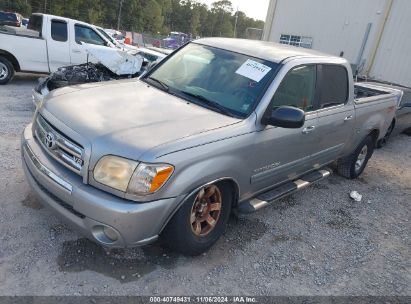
[(103, 65)]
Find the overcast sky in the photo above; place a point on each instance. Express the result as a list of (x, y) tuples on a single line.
[(253, 8)]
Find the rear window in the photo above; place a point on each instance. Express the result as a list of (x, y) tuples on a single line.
[(59, 30), (8, 16), (36, 23), (334, 85)]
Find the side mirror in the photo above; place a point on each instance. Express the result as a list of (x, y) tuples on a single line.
[(285, 117)]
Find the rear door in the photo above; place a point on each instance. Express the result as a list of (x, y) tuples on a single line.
[(58, 44), (336, 115)]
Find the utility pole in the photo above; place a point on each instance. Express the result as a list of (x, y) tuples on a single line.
[(119, 15), (45, 6), (235, 24)]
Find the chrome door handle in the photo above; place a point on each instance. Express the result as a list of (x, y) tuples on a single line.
[(348, 118), (76, 51), (308, 129)]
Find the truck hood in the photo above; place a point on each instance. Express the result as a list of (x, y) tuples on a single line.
[(129, 117), (120, 62)]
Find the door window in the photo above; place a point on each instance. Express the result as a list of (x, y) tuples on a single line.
[(59, 30), (36, 24), (87, 35), (334, 85), (297, 89)]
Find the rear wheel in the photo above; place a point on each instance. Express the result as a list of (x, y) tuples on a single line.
[(6, 71), (200, 221), (354, 164), (383, 141), (408, 131)]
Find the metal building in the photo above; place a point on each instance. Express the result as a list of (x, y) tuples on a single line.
[(374, 35)]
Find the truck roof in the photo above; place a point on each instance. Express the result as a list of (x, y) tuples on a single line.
[(65, 19), (262, 49)]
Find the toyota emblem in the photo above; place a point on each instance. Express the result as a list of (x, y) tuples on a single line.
[(49, 140)]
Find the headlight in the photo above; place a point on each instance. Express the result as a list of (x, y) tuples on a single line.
[(148, 178), (130, 176), (114, 171)]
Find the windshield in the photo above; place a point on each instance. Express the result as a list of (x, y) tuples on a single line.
[(215, 78), (107, 36)]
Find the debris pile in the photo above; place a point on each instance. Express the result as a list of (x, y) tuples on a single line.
[(77, 74)]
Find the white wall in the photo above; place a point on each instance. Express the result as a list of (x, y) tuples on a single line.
[(393, 59), (339, 26)]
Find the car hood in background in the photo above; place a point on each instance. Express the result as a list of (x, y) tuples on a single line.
[(118, 61)]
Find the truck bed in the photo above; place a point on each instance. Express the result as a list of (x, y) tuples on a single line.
[(365, 93), (19, 31)]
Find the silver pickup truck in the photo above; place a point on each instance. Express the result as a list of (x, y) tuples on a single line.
[(219, 126)]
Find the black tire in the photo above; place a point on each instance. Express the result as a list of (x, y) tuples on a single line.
[(6, 71), (383, 141), (348, 166), (408, 131), (180, 236)]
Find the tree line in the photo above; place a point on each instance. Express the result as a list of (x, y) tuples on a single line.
[(146, 16)]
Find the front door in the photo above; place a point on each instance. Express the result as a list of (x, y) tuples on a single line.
[(282, 154), (84, 35)]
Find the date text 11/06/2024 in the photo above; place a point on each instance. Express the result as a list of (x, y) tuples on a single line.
[(203, 299)]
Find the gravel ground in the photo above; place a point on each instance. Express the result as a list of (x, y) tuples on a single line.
[(315, 242)]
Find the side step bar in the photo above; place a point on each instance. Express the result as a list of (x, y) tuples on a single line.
[(273, 195)]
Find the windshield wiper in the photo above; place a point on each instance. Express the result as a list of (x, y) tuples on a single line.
[(210, 103), (165, 87)]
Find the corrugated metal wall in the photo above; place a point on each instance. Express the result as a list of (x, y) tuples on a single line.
[(393, 59), (339, 26)]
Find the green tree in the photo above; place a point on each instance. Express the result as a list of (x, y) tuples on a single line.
[(21, 6), (152, 18), (222, 10)]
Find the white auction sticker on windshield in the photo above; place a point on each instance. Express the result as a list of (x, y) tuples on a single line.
[(253, 70)]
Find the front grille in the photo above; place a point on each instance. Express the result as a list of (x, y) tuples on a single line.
[(59, 146)]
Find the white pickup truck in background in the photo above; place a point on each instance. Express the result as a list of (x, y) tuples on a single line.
[(48, 43)]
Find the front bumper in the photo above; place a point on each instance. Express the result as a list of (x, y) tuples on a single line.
[(90, 210)]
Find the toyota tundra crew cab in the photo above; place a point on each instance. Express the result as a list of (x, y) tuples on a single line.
[(220, 126)]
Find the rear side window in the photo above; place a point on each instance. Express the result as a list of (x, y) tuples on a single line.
[(334, 85), (87, 35), (59, 30), (297, 89), (36, 23)]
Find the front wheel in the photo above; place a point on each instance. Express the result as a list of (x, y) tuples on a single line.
[(200, 221), (354, 164), (6, 71)]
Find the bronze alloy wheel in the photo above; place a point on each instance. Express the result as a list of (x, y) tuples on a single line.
[(206, 210)]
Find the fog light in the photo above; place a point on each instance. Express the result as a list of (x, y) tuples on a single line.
[(110, 233)]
